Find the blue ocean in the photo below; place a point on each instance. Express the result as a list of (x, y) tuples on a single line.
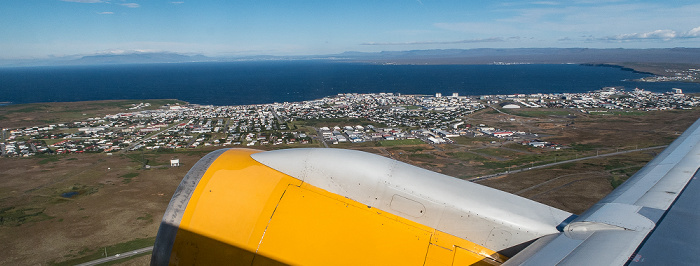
[(239, 83)]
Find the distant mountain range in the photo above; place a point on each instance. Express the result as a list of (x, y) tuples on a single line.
[(451, 56), (138, 58), (532, 56), (110, 59)]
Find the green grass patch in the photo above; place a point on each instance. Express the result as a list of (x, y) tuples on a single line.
[(616, 182), (49, 160), (521, 160), (413, 149), (467, 156), (389, 143), (498, 152), (626, 171), (128, 177), (149, 158), (471, 140), (615, 163), (134, 157), (583, 147), (632, 113), (540, 113), (193, 152), (565, 166), (421, 156), (11, 216), (25, 108), (90, 254), (524, 148), (148, 218), (621, 113)]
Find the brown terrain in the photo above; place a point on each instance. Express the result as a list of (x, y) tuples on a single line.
[(34, 114), (113, 202)]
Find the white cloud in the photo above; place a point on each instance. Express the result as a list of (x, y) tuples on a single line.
[(665, 35), (657, 34), (105, 13), (131, 5), (566, 21), (693, 33), (177, 2), (494, 39)]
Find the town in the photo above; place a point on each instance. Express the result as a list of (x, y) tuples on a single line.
[(432, 119), (687, 75)]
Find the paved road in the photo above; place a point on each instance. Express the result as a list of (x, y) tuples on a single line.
[(147, 138), (494, 108), (319, 137), (279, 120), (481, 178), (118, 256), (323, 141)]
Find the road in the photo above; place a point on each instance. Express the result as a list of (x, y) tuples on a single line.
[(118, 256), (279, 120), (147, 138), (494, 108), (481, 178)]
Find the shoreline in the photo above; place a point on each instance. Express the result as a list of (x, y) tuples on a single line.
[(619, 66), (663, 70), (482, 79)]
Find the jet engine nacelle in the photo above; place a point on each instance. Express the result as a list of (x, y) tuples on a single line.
[(334, 206)]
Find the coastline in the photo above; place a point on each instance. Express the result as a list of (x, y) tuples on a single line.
[(621, 67), (266, 82)]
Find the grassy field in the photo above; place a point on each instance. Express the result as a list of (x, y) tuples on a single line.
[(472, 140), (500, 152), (90, 254), (389, 143), (38, 114), (64, 207), (620, 112), (541, 113)]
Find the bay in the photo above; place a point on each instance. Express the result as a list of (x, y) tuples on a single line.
[(239, 83)]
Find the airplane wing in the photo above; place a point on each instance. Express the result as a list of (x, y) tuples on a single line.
[(651, 219), (334, 206)]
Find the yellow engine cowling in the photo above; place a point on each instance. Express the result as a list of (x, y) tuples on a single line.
[(231, 209)]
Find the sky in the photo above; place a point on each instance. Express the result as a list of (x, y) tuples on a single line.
[(35, 29)]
